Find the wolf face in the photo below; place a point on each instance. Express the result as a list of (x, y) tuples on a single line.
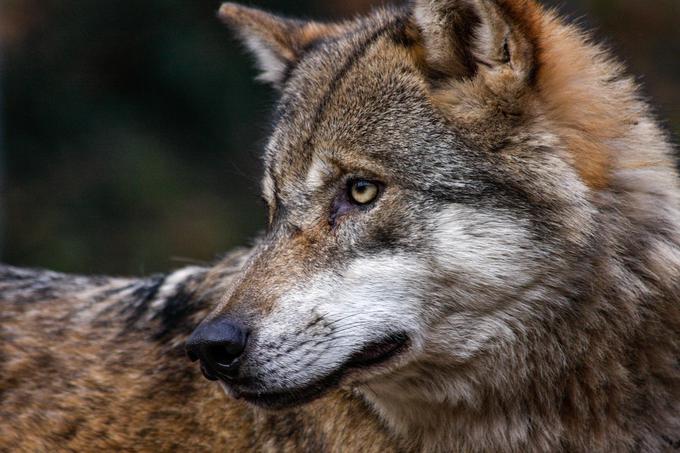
[(434, 200)]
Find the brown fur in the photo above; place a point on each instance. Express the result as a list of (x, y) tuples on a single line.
[(581, 91), (111, 383), (548, 140)]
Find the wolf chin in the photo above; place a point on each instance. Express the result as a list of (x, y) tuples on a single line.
[(473, 245)]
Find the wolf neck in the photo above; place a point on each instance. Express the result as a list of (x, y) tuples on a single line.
[(537, 418), (602, 377), (466, 416)]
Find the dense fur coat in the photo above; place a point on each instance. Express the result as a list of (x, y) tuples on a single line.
[(473, 245), (98, 364)]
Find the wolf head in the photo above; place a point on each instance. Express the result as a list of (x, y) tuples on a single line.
[(443, 183)]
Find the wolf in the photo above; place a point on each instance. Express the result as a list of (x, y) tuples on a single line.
[(473, 245)]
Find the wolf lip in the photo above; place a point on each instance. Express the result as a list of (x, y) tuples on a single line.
[(370, 355), (378, 351)]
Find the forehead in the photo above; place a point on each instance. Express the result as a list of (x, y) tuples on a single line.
[(358, 101)]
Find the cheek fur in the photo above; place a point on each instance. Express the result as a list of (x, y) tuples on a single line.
[(483, 248)]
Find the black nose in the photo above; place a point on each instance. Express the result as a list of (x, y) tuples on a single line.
[(218, 344)]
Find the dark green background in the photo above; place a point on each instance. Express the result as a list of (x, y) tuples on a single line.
[(132, 130)]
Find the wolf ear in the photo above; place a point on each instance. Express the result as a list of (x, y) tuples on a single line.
[(276, 42), (463, 37)]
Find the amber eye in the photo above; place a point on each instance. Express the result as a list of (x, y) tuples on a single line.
[(363, 192)]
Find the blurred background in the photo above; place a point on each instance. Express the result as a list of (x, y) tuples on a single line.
[(131, 131)]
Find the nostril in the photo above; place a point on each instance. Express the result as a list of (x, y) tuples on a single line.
[(207, 373), (223, 355), (192, 354)]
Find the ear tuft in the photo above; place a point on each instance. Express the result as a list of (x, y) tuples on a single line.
[(276, 42), (463, 37)]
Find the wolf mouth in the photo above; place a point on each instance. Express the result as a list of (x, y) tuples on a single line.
[(373, 354)]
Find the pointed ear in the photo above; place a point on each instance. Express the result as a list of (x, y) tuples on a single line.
[(276, 42), (464, 37)]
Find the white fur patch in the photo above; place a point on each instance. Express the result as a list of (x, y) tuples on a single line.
[(272, 65), (171, 285), (268, 189), (318, 173), (485, 247), (373, 298)]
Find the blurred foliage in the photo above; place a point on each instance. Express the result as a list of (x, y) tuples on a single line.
[(132, 130)]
